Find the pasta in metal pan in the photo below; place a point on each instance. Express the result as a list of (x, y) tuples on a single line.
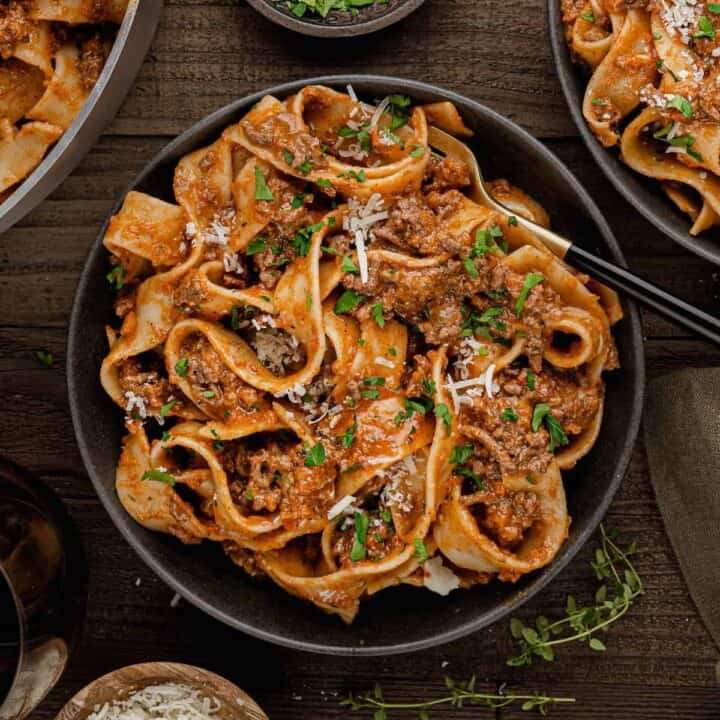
[(655, 92), (340, 368), (51, 55)]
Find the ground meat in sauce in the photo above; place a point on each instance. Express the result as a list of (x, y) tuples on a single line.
[(442, 174), (92, 60), (207, 373), (416, 223), (507, 518), (145, 380), (380, 540), (243, 558), (125, 300), (513, 444), (14, 27), (430, 298)]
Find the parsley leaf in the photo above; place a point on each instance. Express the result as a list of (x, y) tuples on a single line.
[(377, 314), (262, 191), (347, 301), (348, 437), (315, 456), (443, 412), (255, 246), (531, 280), (358, 551), (348, 265), (158, 476), (421, 553)]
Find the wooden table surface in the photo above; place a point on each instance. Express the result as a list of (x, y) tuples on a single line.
[(660, 663)]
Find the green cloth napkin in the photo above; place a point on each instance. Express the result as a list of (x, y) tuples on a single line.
[(682, 435)]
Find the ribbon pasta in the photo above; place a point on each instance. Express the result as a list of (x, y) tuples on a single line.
[(654, 92), (341, 369), (51, 56)]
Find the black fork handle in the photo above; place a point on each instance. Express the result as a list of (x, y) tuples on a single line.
[(645, 292)]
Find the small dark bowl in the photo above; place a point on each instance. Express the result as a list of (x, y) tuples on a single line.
[(131, 44), (399, 619), (643, 193), (338, 24)]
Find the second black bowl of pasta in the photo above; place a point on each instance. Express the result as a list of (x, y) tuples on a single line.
[(353, 398)]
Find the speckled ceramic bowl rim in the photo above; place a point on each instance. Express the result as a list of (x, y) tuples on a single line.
[(328, 30), (123, 521), (644, 194), (128, 52)]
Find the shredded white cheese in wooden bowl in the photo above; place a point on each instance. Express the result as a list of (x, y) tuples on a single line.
[(168, 701)]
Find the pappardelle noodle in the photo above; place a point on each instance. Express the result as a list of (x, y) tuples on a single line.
[(51, 55), (655, 92), (337, 365)]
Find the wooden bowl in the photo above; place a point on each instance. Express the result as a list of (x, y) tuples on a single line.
[(236, 705)]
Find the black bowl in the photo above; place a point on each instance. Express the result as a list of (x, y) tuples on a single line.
[(643, 193), (131, 44), (338, 24), (399, 619)]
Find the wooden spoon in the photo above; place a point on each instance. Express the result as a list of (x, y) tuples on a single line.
[(612, 275), (117, 685)]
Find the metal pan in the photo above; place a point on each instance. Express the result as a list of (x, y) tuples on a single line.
[(644, 194), (131, 45)]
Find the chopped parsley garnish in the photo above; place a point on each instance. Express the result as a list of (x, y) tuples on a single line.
[(470, 268), (599, 102), (530, 379), (399, 110), (359, 176), (531, 280), (509, 414), (116, 277), (297, 201), (165, 409), (358, 551), (305, 167), (159, 476), (348, 265), (249, 495), (714, 8), (442, 411), (262, 191), (315, 456), (392, 351), (165, 436), (588, 16), (302, 239), (370, 394), (468, 473), (419, 151), (421, 553), (347, 301), (543, 413), (181, 366), (348, 437), (255, 246), (376, 313), (374, 381), (705, 28), (428, 387), (682, 104), (323, 183), (208, 394), (288, 157), (461, 454), (512, 220), (44, 358)]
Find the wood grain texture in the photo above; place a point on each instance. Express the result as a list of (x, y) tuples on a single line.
[(660, 663)]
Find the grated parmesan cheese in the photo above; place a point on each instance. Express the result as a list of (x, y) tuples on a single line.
[(438, 578), (167, 701), (384, 362), (358, 220), (680, 17), (341, 507), (135, 402)]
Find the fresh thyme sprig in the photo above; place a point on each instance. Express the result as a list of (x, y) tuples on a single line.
[(621, 585), (460, 693)]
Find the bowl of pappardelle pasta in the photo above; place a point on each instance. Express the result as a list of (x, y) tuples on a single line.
[(331, 400), (65, 67), (641, 79)]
